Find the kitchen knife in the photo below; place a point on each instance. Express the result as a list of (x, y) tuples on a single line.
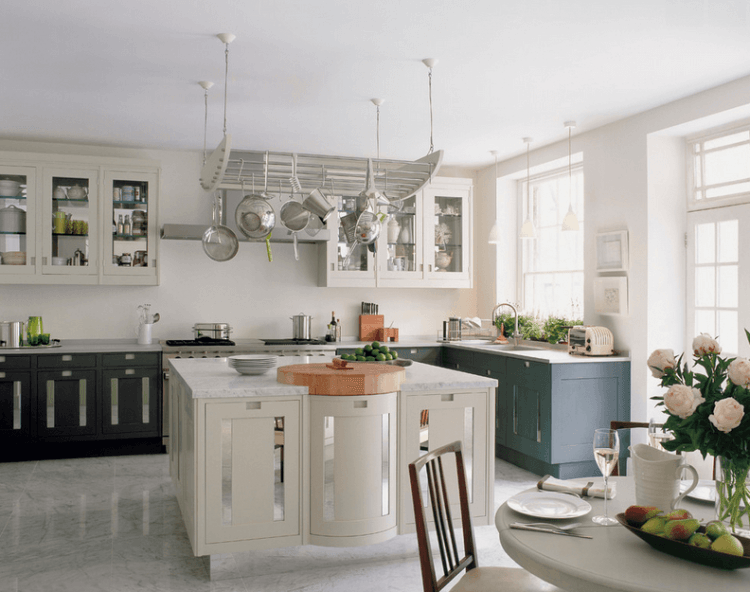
[(519, 526)]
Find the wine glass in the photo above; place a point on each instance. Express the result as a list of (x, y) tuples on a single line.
[(657, 435), (606, 453)]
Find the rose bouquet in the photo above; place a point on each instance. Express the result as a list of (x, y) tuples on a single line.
[(706, 412)]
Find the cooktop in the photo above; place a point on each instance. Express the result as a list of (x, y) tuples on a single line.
[(199, 341), (294, 342)]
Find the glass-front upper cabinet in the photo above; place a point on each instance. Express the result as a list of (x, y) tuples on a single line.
[(401, 244), (69, 222), (349, 263), (17, 220), (129, 224), (447, 213)]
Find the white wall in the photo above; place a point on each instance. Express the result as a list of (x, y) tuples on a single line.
[(256, 297), (633, 181)]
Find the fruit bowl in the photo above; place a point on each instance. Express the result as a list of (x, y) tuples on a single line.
[(691, 553), (396, 362)]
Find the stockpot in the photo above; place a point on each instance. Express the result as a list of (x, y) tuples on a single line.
[(301, 324), (11, 333)]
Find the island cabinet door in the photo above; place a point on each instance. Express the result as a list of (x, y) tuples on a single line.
[(433, 420), (130, 401), (353, 491), (252, 470)]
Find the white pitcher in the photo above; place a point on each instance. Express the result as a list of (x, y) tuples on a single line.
[(657, 477)]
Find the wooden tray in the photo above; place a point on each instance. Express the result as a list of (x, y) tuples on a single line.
[(361, 379)]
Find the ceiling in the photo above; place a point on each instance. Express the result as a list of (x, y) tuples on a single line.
[(302, 73)]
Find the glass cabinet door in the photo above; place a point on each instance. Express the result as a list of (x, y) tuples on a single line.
[(129, 223), (69, 199), (400, 255), (349, 263), (17, 220), (447, 219)]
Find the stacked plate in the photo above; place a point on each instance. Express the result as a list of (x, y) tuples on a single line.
[(252, 364)]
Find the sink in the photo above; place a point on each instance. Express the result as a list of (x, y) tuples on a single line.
[(500, 346), (475, 341)]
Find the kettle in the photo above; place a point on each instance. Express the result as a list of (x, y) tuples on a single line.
[(76, 192), (79, 258)]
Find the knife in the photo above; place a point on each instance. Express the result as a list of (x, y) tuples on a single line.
[(519, 526)]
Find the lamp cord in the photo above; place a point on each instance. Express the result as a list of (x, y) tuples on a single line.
[(429, 83), (378, 132), (226, 78), (205, 123), (570, 168)]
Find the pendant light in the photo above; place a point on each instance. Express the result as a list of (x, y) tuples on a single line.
[(570, 222), (494, 233), (430, 63), (528, 230)]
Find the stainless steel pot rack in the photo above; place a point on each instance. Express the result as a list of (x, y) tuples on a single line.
[(337, 175)]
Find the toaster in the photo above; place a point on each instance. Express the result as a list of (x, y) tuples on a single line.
[(590, 341)]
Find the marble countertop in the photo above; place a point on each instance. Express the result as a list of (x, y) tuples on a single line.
[(213, 378), (74, 346)]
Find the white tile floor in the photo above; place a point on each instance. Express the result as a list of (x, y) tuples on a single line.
[(113, 524)]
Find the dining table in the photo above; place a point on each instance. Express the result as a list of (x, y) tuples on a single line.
[(613, 558)]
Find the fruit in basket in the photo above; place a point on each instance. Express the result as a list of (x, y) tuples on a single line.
[(700, 539), (681, 530), (375, 345), (384, 349), (727, 543), (637, 515), (395, 355), (715, 529), (655, 525), (678, 514)]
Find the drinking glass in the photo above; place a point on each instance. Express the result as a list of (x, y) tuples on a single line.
[(656, 435), (606, 453)]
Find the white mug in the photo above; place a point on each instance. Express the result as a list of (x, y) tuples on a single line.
[(657, 477), (144, 334)]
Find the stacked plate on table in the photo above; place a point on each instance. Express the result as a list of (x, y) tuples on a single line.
[(252, 363)]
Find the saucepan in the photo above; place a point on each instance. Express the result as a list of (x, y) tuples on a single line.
[(295, 218)]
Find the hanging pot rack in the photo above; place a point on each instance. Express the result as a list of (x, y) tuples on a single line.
[(339, 175)]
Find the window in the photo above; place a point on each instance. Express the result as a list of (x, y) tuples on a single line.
[(720, 166), (552, 263)]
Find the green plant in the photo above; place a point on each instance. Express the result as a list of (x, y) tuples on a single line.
[(530, 328), (556, 328)]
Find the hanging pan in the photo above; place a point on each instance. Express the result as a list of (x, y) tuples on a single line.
[(295, 218), (219, 242)]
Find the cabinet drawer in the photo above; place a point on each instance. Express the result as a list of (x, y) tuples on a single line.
[(426, 355), (458, 359), (529, 374), (7, 362), (66, 361), (490, 364), (123, 359)]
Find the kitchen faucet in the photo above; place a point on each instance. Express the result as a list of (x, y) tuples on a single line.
[(516, 334)]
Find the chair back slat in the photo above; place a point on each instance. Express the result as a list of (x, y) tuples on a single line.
[(452, 562)]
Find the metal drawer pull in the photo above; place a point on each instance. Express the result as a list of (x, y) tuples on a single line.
[(67, 373), (360, 404), (2, 358), (130, 356), (146, 399), (446, 398), (129, 371), (114, 409), (50, 404), (67, 358), (527, 364), (82, 402), (16, 404), (252, 405), (412, 351), (2, 374)]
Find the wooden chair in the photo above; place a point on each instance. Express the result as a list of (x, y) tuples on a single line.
[(476, 579)]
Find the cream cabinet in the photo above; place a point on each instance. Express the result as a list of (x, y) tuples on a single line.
[(62, 224), (426, 243)]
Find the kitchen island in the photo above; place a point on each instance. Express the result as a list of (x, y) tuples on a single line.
[(258, 464)]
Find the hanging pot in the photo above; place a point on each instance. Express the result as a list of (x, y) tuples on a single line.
[(255, 217), (295, 218), (219, 242)]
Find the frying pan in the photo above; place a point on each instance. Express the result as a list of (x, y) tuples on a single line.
[(219, 242)]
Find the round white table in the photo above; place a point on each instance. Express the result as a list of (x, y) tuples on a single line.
[(614, 559)]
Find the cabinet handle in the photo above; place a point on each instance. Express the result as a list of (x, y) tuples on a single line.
[(253, 405), (33, 260), (527, 364), (44, 261), (67, 373), (67, 358), (16, 405), (2, 374), (2, 358), (130, 356), (359, 404), (412, 351), (489, 372), (129, 371)]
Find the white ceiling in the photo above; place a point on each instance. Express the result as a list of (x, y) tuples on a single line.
[(302, 73)]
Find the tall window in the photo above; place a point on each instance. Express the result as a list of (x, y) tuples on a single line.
[(552, 263), (718, 238)]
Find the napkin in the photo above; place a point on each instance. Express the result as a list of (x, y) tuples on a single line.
[(582, 488)]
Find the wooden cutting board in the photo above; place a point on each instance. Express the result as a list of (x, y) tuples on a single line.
[(356, 379)]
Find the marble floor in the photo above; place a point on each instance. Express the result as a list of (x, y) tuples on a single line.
[(113, 524)]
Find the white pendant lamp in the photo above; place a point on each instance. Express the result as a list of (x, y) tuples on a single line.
[(528, 230), (494, 233), (570, 222)]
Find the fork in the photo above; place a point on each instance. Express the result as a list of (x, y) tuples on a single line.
[(549, 525)]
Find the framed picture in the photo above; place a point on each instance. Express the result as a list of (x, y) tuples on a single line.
[(612, 251), (611, 295)]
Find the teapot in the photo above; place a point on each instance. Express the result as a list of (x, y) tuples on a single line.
[(76, 192), (443, 259)]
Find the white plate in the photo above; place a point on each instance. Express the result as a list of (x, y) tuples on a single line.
[(549, 504), (705, 491), (252, 371), (253, 358)]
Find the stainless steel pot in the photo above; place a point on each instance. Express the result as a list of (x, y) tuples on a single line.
[(301, 326), (11, 333), (213, 330)]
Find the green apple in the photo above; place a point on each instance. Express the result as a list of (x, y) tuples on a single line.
[(715, 529), (699, 539), (727, 543)]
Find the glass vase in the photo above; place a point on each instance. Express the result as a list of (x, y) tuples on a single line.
[(733, 495), (33, 330)]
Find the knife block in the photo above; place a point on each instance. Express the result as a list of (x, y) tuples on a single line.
[(387, 334), (369, 326)]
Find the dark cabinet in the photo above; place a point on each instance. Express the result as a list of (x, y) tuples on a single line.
[(130, 401), (15, 405), (426, 355), (66, 403)]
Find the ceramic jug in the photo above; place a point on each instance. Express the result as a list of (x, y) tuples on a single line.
[(393, 230), (657, 477)]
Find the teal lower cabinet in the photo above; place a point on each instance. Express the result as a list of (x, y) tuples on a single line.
[(550, 412)]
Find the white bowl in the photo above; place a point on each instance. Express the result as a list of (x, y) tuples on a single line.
[(59, 261), (9, 188)]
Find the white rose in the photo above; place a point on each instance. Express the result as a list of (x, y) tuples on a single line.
[(739, 372), (660, 360), (682, 400), (705, 344), (727, 414)]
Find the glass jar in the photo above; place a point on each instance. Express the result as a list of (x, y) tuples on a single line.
[(33, 330), (733, 495)]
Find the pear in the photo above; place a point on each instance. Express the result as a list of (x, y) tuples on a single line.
[(715, 529), (681, 530), (699, 539), (637, 515), (678, 514), (727, 543), (654, 525)]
